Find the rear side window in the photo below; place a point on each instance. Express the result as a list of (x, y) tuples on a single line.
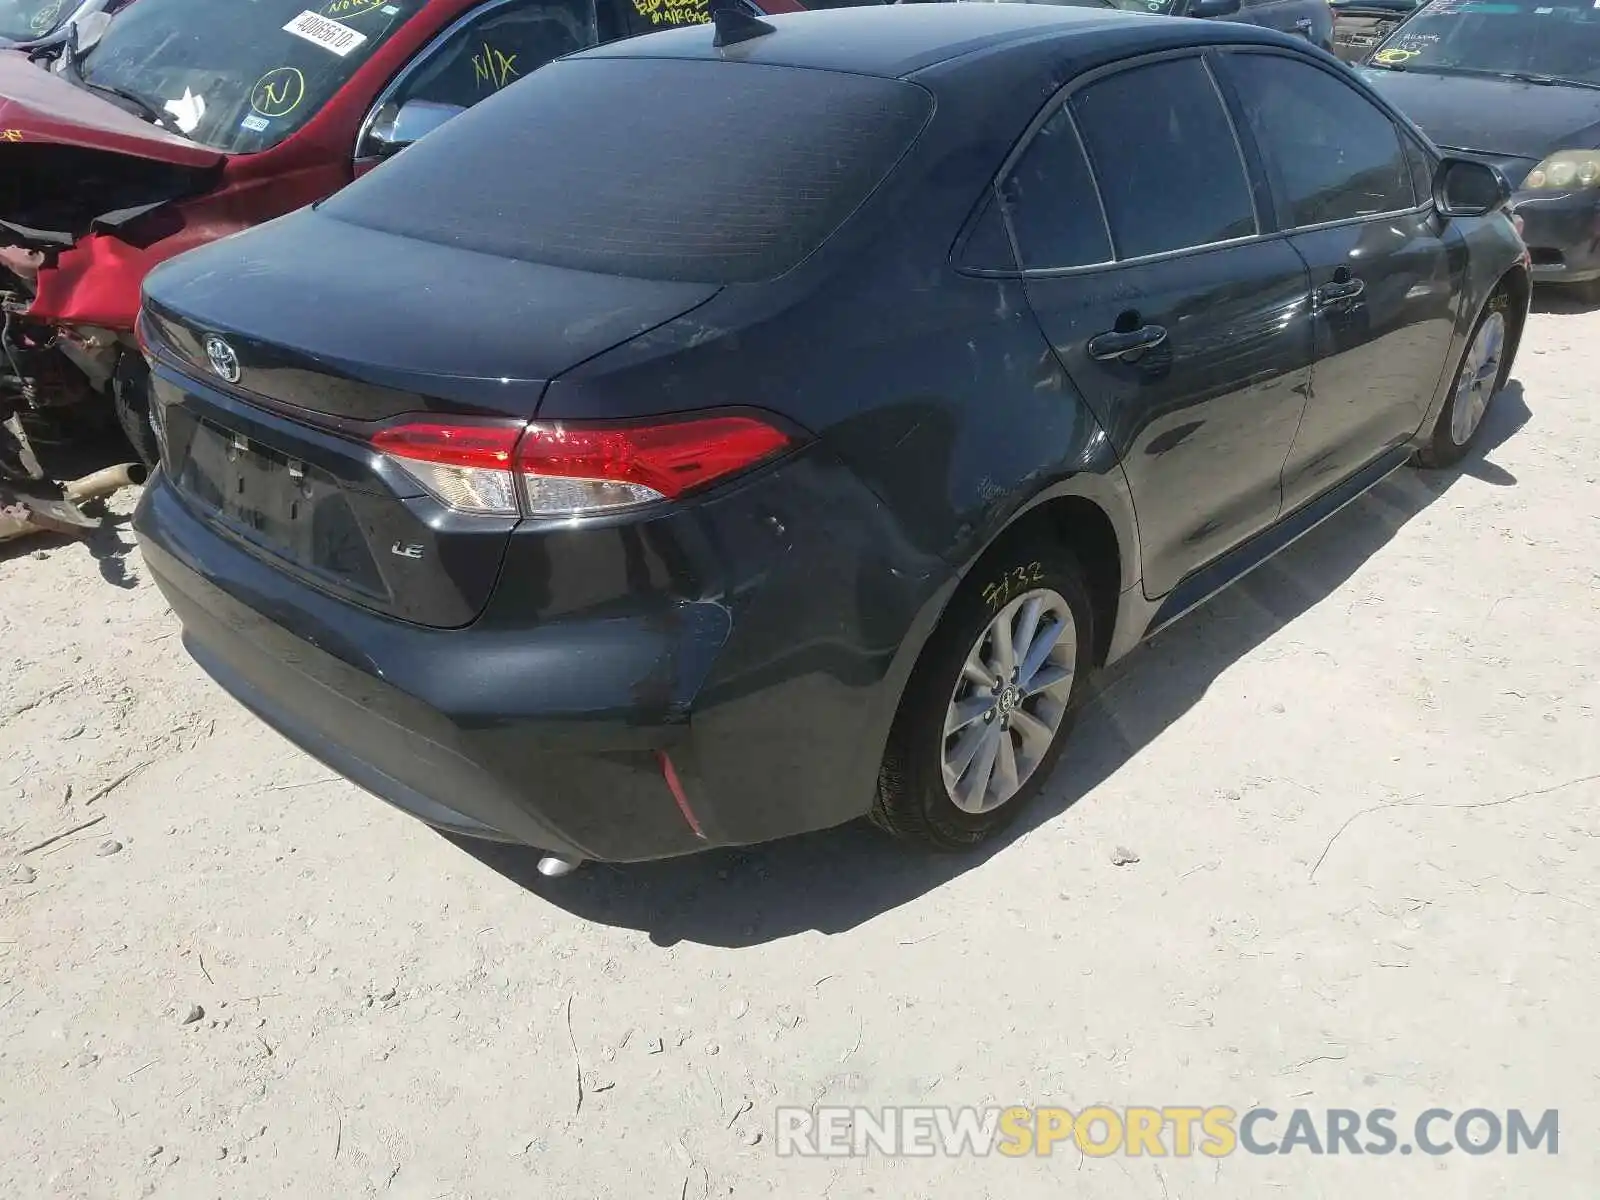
[(1334, 155), (1165, 154), (1050, 199), (695, 170)]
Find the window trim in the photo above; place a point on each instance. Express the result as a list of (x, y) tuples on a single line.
[(1415, 145), (988, 199), (1061, 99), (425, 55), (1401, 133)]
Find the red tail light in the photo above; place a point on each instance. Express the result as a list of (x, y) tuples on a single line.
[(552, 470), (464, 465)]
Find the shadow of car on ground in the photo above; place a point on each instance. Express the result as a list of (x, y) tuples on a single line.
[(836, 879), (1561, 301)]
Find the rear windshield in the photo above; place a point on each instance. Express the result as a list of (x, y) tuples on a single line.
[(696, 170)]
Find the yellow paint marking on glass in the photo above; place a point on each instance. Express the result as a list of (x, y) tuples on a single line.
[(493, 67), (673, 12), (279, 92), (45, 19), (340, 9)]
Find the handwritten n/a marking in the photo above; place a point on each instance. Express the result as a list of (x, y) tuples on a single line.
[(493, 67)]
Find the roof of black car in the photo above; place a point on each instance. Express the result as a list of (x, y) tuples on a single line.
[(894, 40)]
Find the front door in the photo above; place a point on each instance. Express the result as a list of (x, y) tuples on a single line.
[(1381, 275), (1186, 333)]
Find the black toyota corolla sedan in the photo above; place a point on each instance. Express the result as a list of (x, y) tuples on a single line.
[(1515, 82), (694, 444)]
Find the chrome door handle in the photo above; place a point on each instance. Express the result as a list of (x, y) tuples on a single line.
[(1341, 290), (1106, 346)]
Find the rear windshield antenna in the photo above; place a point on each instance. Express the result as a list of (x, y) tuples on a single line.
[(735, 24)]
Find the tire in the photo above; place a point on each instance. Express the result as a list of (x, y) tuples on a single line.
[(130, 396), (913, 801), (1451, 440), (1586, 293)]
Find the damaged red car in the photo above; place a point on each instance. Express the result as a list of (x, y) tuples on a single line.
[(188, 120)]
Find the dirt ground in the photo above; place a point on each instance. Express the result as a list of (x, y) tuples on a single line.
[(1361, 789)]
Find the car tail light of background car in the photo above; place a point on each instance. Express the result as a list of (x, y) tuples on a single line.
[(557, 470)]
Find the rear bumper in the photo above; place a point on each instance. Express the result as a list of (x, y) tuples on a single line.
[(771, 698), (1562, 235)]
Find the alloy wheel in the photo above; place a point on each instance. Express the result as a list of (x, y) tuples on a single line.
[(1475, 383), (1009, 703)]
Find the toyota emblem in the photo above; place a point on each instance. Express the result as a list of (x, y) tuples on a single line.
[(223, 360)]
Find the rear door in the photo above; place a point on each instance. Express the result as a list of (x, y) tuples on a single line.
[(1383, 285), (1184, 329)]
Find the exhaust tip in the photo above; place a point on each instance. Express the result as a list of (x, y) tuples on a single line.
[(138, 473), (554, 866)]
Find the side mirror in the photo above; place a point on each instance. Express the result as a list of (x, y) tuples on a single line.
[(1463, 187), (398, 127), (1213, 8)]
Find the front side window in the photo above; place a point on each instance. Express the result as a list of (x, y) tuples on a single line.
[(243, 75), (1334, 155), (498, 48), (1557, 40), (1166, 158), (1051, 203)]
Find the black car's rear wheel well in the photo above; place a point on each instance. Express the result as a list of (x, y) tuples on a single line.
[(1084, 528), (1081, 526)]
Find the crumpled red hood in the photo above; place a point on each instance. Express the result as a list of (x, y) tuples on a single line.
[(37, 106)]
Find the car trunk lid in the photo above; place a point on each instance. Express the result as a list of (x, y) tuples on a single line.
[(269, 435)]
